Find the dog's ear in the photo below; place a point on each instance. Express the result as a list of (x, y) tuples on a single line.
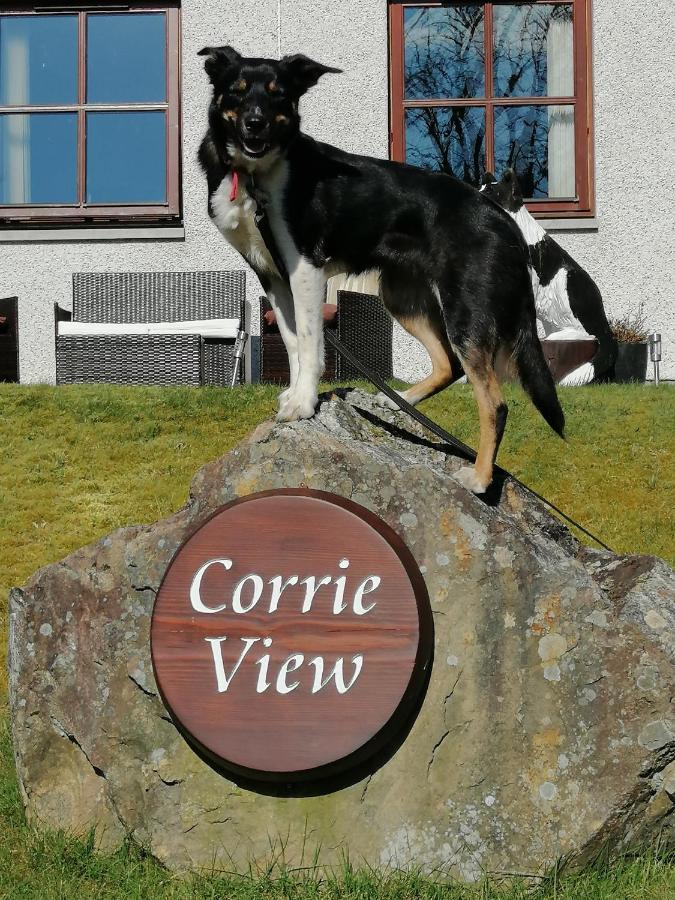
[(219, 61), (301, 73), (510, 179)]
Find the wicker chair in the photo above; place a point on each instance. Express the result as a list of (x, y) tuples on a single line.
[(362, 324), (140, 297)]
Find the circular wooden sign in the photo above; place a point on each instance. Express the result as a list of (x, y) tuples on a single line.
[(292, 635)]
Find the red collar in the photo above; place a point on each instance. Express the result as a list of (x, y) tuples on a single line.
[(235, 185)]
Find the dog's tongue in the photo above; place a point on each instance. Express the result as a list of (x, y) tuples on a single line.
[(235, 186)]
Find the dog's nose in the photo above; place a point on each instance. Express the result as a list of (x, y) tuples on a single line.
[(254, 124)]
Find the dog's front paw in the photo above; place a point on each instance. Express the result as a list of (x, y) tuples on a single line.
[(297, 406), (283, 398), (468, 477)]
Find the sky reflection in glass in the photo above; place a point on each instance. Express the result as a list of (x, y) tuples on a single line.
[(38, 60), (538, 142), (448, 139), (38, 158), (126, 157), (533, 51), (126, 58), (444, 52)]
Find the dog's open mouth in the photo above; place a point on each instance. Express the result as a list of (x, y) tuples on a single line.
[(255, 147)]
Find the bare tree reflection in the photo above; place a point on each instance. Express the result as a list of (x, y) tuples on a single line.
[(445, 59)]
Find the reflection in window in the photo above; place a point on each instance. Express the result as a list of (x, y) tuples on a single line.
[(444, 52), (449, 139), (38, 158), (533, 51), (126, 157), (126, 58), (38, 60), (538, 142)]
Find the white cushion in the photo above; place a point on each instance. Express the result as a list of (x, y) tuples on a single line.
[(212, 328)]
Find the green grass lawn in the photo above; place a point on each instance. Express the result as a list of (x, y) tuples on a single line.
[(78, 462)]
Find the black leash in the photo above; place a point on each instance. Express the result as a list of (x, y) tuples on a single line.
[(445, 436), (263, 225)]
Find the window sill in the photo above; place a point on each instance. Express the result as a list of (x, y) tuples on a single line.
[(85, 235), (590, 224)]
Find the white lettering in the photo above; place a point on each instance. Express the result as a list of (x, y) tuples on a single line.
[(338, 604), (258, 585), (337, 674), (264, 663), (310, 590), (223, 681), (362, 589), (290, 665), (278, 587), (195, 587)]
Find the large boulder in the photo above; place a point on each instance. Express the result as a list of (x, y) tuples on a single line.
[(546, 730)]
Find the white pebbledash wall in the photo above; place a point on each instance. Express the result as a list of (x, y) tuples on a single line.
[(631, 255)]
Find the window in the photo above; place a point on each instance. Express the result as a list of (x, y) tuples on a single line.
[(89, 114), (486, 85)]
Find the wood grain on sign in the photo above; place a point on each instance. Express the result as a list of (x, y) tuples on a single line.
[(292, 635)]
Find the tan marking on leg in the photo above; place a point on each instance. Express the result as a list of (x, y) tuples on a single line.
[(438, 348), (480, 372), (505, 365)]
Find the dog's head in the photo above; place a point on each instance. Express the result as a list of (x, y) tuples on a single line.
[(254, 110), (506, 192)]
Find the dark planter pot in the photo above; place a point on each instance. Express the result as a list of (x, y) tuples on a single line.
[(631, 363)]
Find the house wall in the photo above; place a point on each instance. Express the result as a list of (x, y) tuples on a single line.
[(631, 255)]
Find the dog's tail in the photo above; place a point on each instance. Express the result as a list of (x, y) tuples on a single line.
[(535, 377)]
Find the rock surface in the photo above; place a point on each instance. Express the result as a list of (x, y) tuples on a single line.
[(546, 730)]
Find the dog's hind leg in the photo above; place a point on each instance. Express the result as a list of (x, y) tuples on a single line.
[(446, 367), (492, 412)]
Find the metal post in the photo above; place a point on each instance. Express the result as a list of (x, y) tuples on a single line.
[(239, 346), (655, 354)]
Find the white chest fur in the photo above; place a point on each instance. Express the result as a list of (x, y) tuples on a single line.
[(234, 218)]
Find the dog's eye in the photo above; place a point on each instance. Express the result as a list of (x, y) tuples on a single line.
[(274, 88)]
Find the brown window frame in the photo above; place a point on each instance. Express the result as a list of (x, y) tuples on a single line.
[(83, 213), (584, 204)]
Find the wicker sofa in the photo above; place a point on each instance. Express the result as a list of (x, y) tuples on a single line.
[(133, 298)]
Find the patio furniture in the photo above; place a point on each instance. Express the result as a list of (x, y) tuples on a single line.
[(359, 320), (151, 328), (9, 339)]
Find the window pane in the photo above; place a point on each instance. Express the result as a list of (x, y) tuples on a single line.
[(444, 52), (38, 158), (126, 58), (538, 142), (126, 157), (449, 139), (38, 60), (533, 51)]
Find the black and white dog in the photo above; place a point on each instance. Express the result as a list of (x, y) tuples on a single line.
[(567, 300), (454, 267)]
